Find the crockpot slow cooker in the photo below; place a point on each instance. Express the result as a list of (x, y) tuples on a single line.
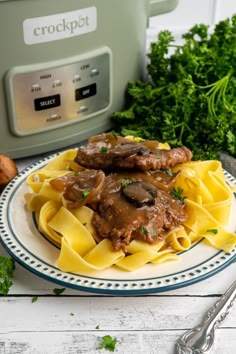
[(64, 68)]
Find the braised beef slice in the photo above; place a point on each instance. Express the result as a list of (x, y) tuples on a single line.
[(122, 219), (108, 153)]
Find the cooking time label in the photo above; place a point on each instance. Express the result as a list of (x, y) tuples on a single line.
[(59, 26)]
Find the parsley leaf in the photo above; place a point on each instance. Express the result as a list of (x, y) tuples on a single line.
[(34, 299), (103, 149), (115, 134), (144, 230), (7, 267), (213, 231), (85, 193), (126, 182), (178, 193), (154, 233), (107, 342), (169, 172), (58, 291)]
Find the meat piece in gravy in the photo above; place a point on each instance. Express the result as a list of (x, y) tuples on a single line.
[(126, 205), (109, 153), (135, 210)]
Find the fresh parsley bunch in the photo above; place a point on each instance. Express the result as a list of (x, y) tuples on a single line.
[(190, 98), (7, 267)]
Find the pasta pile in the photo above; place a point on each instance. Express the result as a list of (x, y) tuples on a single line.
[(208, 202)]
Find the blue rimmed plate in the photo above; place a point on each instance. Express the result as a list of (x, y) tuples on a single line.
[(22, 240)]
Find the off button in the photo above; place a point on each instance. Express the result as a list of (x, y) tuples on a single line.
[(85, 92), (47, 102)]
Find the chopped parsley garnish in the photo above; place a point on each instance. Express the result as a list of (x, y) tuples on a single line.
[(58, 291), (154, 233), (7, 267), (178, 193), (169, 172), (103, 149), (76, 173), (144, 230), (85, 193), (115, 134), (34, 299), (159, 155), (127, 182), (97, 327), (107, 342), (213, 231), (234, 194)]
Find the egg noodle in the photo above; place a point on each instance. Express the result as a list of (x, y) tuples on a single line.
[(208, 205)]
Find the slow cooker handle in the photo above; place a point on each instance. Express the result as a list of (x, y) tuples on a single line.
[(157, 7)]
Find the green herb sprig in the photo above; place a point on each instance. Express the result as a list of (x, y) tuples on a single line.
[(85, 193), (126, 182), (178, 193), (58, 291), (107, 342), (190, 97), (213, 231), (7, 267), (103, 149), (144, 230), (34, 299)]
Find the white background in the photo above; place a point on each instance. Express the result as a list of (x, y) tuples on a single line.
[(189, 13)]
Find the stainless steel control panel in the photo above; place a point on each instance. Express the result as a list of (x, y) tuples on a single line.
[(47, 96)]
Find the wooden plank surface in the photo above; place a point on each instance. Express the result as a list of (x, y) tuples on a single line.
[(82, 342), (110, 313), (142, 324), (69, 324)]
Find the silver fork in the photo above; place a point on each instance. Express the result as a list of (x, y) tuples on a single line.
[(200, 339)]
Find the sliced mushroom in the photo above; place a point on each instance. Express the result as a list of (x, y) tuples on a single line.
[(140, 193), (129, 149)]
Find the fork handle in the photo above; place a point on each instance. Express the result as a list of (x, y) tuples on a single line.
[(199, 340)]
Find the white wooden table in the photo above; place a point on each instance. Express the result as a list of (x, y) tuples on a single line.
[(75, 321)]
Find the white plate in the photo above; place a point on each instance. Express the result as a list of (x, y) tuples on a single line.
[(21, 238)]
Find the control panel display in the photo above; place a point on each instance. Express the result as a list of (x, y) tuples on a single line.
[(58, 95)]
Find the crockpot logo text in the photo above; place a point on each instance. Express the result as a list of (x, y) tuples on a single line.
[(63, 26), (60, 26)]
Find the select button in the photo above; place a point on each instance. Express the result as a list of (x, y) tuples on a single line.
[(47, 102)]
